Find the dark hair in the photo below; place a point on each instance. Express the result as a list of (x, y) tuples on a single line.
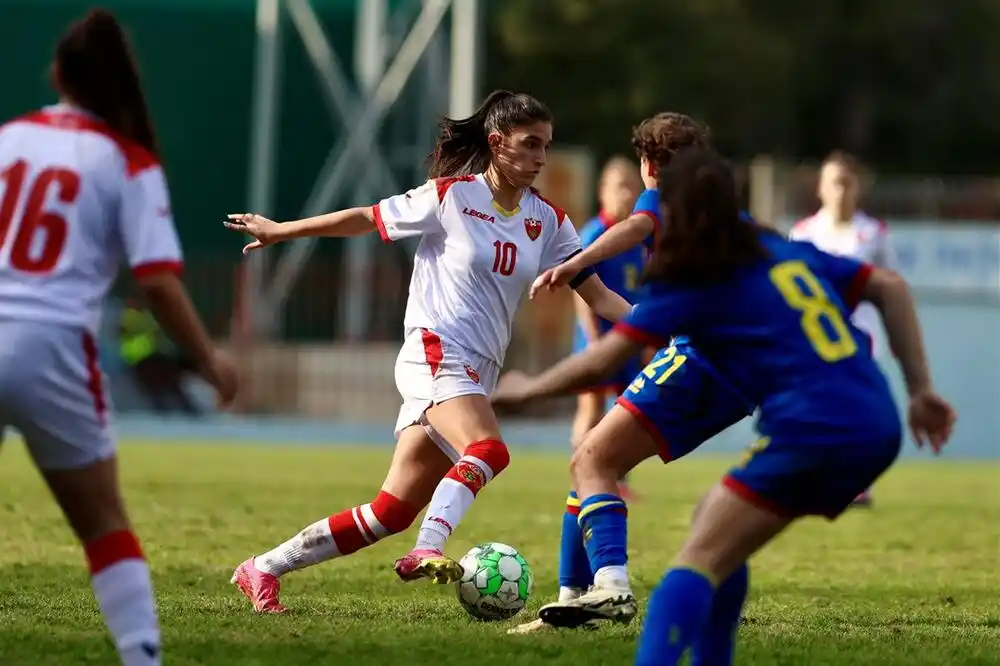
[(703, 237), (846, 160), (462, 147), (95, 69), (659, 137)]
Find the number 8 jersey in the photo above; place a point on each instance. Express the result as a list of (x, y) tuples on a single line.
[(76, 202), (779, 332), (475, 260)]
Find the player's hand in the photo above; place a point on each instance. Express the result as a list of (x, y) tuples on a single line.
[(265, 231), (931, 419), (221, 373), (512, 388), (554, 278)]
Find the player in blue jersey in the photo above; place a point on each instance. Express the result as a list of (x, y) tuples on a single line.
[(693, 406), (618, 189), (771, 315)]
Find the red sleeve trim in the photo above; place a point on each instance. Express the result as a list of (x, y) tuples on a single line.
[(155, 267), (559, 212), (655, 219), (852, 295), (444, 184), (380, 223), (638, 335)]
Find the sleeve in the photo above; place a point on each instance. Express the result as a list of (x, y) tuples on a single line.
[(848, 276), (413, 213), (146, 225), (654, 321), (884, 255), (648, 204)]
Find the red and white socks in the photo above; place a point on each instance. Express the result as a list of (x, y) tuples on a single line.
[(341, 534), (454, 495), (124, 591)]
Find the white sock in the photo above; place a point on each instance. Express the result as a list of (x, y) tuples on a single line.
[(311, 546), (570, 593), (124, 592), (613, 578), (451, 500)]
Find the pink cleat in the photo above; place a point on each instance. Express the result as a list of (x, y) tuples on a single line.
[(259, 587), (427, 563), (864, 500)]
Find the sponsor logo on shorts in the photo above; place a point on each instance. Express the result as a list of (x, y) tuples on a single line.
[(473, 375)]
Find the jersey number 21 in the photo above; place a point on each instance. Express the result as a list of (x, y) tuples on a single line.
[(803, 292)]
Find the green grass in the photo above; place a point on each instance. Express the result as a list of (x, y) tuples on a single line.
[(914, 581)]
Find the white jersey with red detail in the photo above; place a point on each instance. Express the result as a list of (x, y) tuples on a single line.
[(475, 261), (76, 202), (865, 239)]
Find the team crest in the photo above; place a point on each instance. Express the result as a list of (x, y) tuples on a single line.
[(470, 476), (533, 227), (473, 375)]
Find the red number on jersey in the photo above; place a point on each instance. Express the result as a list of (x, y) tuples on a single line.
[(34, 219), (505, 259)]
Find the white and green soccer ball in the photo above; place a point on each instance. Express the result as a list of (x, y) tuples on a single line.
[(496, 583)]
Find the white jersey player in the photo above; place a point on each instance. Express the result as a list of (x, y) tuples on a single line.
[(840, 228), (485, 235), (81, 193)]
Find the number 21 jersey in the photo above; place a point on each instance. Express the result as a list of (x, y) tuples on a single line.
[(76, 201), (475, 261)]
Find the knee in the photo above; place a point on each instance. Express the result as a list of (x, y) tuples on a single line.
[(592, 459), (493, 452), (392, 513)]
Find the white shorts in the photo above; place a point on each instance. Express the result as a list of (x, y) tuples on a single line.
[(431, 369), (53, 392)]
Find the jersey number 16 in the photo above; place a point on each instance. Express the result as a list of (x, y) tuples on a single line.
[(26, 253)]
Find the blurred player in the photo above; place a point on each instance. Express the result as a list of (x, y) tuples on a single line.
[(485, 234), (691, 402), (620, 186), (772, 316), (840, 228), (81, 191)]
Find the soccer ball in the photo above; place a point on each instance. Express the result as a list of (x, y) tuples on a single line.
[(496, 583)]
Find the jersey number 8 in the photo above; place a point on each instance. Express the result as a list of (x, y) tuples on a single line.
[(803, 292)]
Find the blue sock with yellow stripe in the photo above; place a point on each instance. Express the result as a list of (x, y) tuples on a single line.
[(603, 520), (716, 643), (574, 566), (676, 615)]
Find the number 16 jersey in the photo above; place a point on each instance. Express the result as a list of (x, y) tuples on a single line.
[(76, 201), (475, 260)]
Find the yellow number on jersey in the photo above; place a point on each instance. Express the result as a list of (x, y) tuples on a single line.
[(631, 277), (803, 292), (659, 370)]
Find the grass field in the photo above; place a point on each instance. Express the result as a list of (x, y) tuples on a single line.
[(914, 581)]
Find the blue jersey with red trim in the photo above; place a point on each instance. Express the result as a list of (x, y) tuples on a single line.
[(779, 331), (621, 273)]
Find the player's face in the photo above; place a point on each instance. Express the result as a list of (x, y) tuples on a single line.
[(838, 188), (619, 190), (522, 153)]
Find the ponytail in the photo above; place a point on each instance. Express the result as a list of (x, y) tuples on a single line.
[(95, 69), (462, 146)]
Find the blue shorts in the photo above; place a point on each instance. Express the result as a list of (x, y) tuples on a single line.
[(615, 384), (799, 475), (682, 402)]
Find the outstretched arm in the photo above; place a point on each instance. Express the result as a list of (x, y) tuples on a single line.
[(604, 302), (342, 223), (597, 362)]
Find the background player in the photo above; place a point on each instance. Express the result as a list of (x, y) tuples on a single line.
[(828, 421), (81, 190), (839, 227), (485, 234)]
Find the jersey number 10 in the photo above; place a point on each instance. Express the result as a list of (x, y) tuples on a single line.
[(24, 256), (803, 292)]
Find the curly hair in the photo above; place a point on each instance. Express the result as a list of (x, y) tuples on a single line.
[(703, 238), (659, 137)]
